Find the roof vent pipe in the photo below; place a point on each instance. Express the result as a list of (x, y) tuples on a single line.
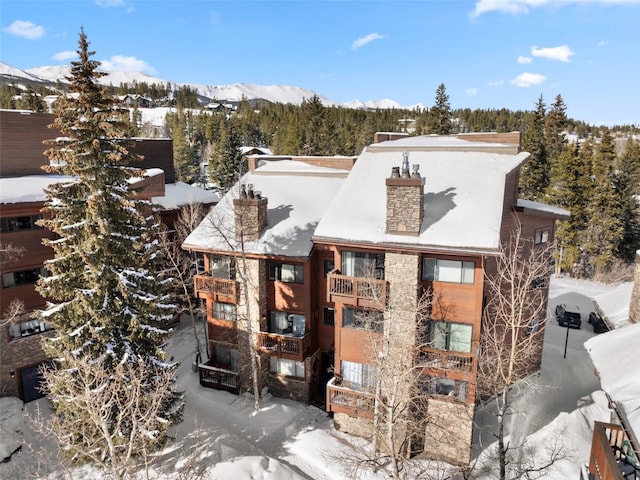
[(405, 164)]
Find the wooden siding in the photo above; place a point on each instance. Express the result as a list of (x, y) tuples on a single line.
[(22, 135)]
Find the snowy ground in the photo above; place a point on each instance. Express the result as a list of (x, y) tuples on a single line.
[(221, 436)]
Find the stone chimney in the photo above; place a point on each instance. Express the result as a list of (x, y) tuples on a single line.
[(250, 212), (405, 199)]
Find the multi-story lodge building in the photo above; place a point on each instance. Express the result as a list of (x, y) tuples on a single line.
[(22, 185), (311, 262)]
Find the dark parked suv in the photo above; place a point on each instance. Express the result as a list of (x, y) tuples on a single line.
[(568, 315)]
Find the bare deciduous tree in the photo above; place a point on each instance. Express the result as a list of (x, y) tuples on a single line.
[(180, 264), (511, 345), (112, 420)]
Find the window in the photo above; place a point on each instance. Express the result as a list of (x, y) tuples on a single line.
[(449, 336), (31, 327), (284, 272), (358, 376), (17, 224), (23, 277), (284, 323), (363, 265), (445, 386), (329, 316), (222, 267), (454, 271), (224, 311), (328, 265), (226, 357), (372, 320), (542, 236), (283, 366)]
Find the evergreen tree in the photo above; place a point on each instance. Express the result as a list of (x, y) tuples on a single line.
[(554, 129), (441, 112), (570, 189), (534, 179), (227, 163), (627, 187), (109, 301), (604, 231)]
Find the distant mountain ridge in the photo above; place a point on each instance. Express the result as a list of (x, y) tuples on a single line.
[(234, 92)]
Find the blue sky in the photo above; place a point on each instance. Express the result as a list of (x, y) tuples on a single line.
[(488, 53)]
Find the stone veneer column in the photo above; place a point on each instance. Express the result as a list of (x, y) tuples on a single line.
[(448, 432), (634, 306), (256, 283)]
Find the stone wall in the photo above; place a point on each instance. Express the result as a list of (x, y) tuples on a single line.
[(249, 314), (405, 205), (250, 216), (448, 432), (634, 306), (358, 427), (15, 354)]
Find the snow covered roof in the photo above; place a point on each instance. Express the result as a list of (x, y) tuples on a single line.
[(29, 188), (179, 194), (263, 150), (298, 195), (614, 354), (463, 199), (542, 208)]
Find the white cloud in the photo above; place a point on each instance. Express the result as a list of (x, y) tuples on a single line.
[(524, 60), (25, 29), (110, 3), (121, 63), (602, 43), (214, 18), (516, 7), (471, 91), (562, 53), (362, 41), (527, 79), (496, 83), (64, 56)]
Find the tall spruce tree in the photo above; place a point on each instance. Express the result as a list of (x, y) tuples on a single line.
[(604, 231), (570, 189), (108, 299), (554, 129), (627, 187), (440, 113), (534, 179), (227, 163)]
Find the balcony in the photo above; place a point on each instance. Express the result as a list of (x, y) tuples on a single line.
[(341, 399), (356, 291), (454, 362), (219, 377), (612, 457), (216, 289), (285, 346)]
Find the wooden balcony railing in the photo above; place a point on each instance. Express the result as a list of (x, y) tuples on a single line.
[(356, 291), (610, 458), (218, 289), (464, 363), (219, 378), (341, 399), (285, 346)]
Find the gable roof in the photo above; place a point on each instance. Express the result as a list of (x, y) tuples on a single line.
[(298, 195), (463, 195)]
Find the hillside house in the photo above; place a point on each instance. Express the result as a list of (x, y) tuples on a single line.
[(22, 185), (301, 250)]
